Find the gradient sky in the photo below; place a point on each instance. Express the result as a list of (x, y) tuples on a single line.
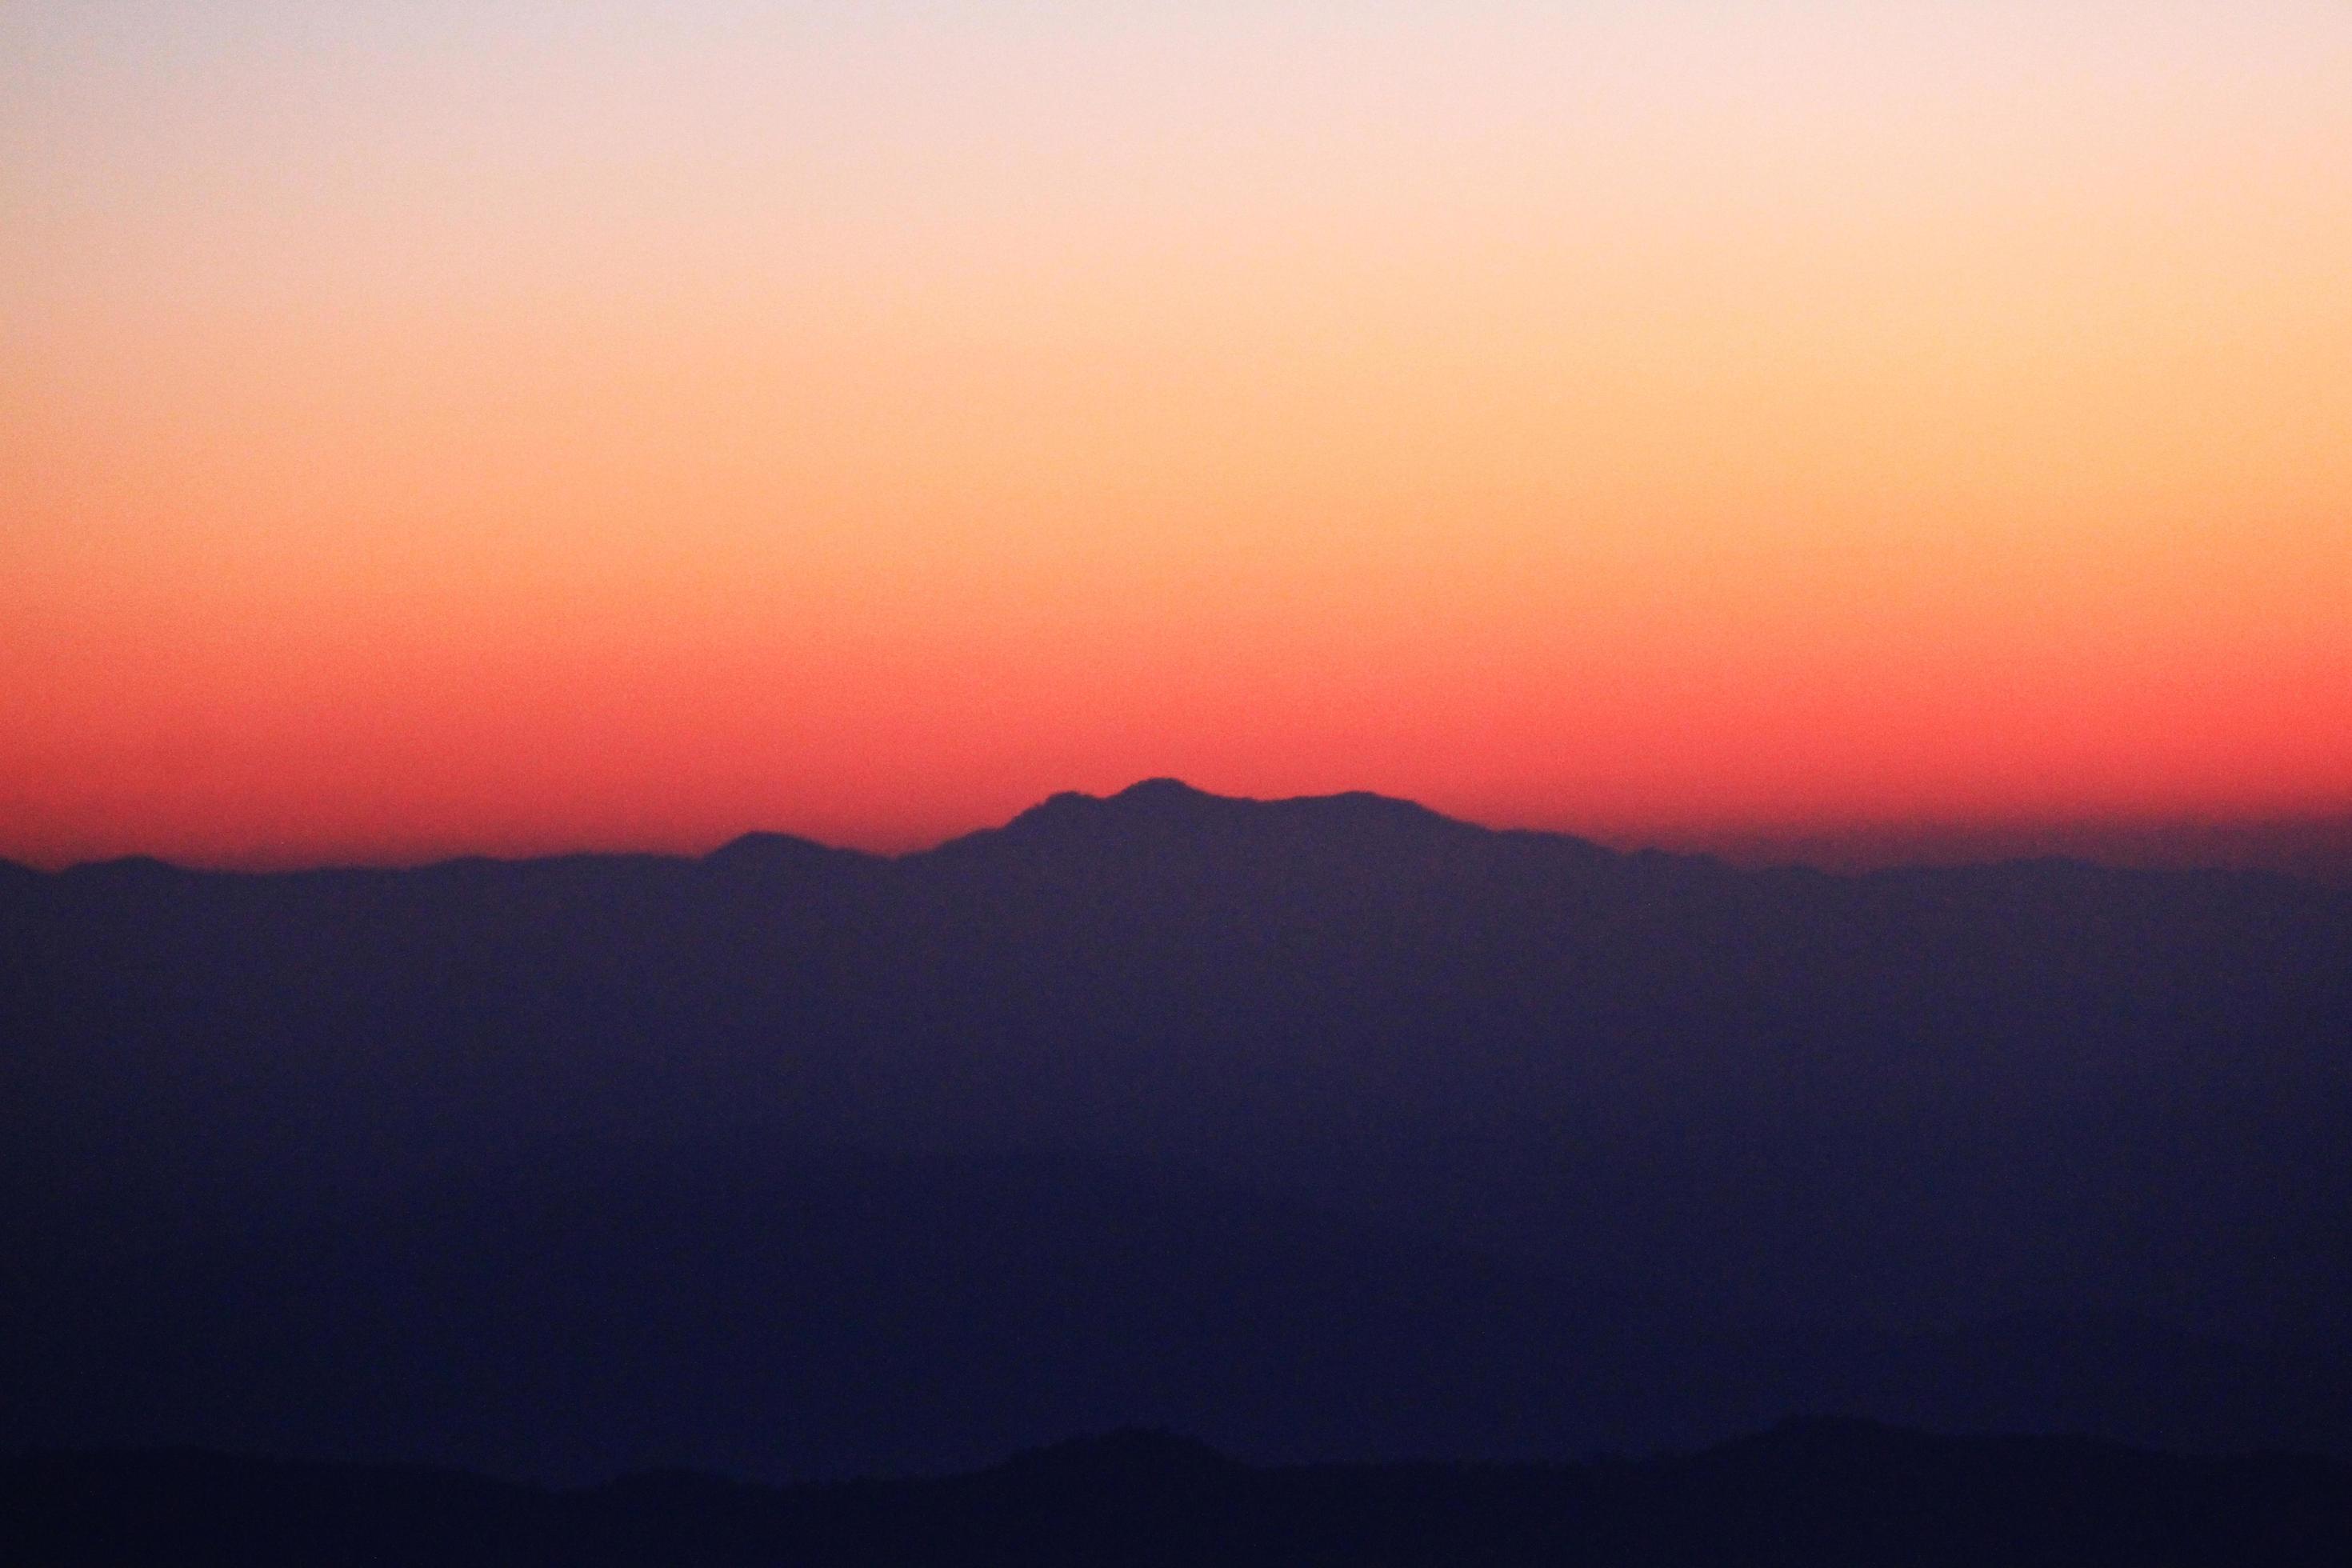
[(432, 427)]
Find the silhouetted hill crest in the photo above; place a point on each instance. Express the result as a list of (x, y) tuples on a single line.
[(1805, 1494), (781, 852), (1164, 814)]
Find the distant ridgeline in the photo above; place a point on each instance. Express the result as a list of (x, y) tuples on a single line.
[(1323, 1129), (1804, 1495)]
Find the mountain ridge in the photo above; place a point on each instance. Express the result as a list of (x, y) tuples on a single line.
[(1905, 1105), (1798, 1493), (1165, 802)]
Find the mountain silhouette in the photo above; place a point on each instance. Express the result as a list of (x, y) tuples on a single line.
[(1437, 1141)]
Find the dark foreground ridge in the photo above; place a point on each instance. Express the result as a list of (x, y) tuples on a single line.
[(1807, 1493)]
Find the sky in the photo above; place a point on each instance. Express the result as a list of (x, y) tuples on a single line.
[(436, 428)]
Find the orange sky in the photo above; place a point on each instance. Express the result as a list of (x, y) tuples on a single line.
[(567, 426)]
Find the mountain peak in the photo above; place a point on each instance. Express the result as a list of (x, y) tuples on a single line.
[(1164, 809), (777, 849), (1164, 791), (1149, 800)]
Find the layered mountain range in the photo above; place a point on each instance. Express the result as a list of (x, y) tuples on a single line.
[(1325, 1129)]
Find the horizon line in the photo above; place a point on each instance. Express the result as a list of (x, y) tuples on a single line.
[(2314, 841)]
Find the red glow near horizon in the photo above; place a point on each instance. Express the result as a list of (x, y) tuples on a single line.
[(423, 436)]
